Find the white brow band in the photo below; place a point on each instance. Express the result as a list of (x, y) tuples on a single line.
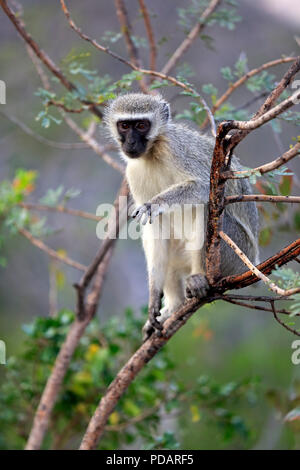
[(129, 116)]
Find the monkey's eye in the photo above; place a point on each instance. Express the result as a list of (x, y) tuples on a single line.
[(123, 126), (142, 125)]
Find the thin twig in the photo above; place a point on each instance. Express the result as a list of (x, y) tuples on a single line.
[(43, 140), (266, 112), (291, 330), (271, 285), (50, 252), (193, 34), (42, 54), (291, 153), (92, 143), (153, 73), (60, 105), (261, 197), (90, 40), (66, 210), (251, 306), (244, 78), (255, 123), (126, 30), (37, 64), (150, 34)]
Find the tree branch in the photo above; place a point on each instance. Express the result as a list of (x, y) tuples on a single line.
[(63, 209), (265, 113), (50, 252), (261, 197), (150, 34), (245, 78), (193, 34), (295, 332), (291, 153), (43, 140), (271, 285), (85, 311), (151, 347), (42, 55), (132, 65), (92, 143), (255, 123), (54, 382)]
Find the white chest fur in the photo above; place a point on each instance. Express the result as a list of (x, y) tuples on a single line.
[(147, 178), (153, 173)]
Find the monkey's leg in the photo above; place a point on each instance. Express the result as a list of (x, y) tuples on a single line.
[(156, 251), (173, 294), (173, 298), (196, 283)]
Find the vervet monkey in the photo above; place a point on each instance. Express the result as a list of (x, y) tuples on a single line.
[(168, 164)]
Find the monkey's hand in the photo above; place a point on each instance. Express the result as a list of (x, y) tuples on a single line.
[(147, 212), (196, 286)]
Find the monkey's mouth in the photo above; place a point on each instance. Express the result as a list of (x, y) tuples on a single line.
[(133, 153)]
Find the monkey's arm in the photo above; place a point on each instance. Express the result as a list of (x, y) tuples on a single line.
[(192, 191)]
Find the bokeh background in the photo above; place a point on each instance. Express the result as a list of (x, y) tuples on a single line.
[(225, 342)]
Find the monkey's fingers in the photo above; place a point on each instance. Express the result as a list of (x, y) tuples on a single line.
[(136, 212), (142, 213)]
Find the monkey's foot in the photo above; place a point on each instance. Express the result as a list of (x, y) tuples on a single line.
[(148, 330), (147, 212), (153, 324), (196, 286)]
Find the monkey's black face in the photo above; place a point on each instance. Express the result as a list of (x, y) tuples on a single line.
[(133, 135)]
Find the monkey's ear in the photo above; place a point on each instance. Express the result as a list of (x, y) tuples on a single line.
[(166, 112)]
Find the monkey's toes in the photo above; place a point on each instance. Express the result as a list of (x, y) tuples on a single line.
[(148, 330), (153, 314), (152, 324), (196, 286)]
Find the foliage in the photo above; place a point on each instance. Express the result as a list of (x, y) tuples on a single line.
[(157, 394), (224, 17), (14, 217)]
